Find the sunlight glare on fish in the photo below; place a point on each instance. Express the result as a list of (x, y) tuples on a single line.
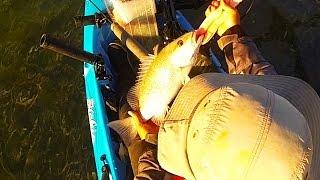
[(164, 76), (183, 55), (153, 107)]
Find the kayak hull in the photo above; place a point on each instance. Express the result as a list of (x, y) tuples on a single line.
[(95, 40)]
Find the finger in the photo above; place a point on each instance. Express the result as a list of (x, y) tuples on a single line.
[(207, 38), (234, 3), (227, 5), (132, 114), (211, 18), (216, 3), (212, 29), (208, 11), (213, 8)]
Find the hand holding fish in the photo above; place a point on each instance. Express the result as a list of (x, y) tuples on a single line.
[(220, 16), (143, 128), (130, 127)]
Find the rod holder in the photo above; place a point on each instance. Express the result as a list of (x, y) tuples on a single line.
[(81, 21), (96, 19), (58, 46)]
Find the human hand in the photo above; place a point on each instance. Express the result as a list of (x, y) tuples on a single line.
[(220, 16), (143, 128)]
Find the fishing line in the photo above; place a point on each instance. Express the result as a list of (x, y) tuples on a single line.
[(249, 8), (102, 13)]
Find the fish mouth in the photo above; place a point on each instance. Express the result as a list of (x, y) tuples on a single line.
[(198, 37)]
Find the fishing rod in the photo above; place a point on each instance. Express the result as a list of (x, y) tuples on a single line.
[(51, 43), (109, 20), (104, 18)]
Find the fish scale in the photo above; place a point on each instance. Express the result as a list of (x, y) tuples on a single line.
[(161, 77), (159, 80)]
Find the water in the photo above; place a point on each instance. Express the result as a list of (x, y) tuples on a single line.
[(44, 131)]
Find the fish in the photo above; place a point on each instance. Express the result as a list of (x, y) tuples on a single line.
[(159, 80), (161, 77)]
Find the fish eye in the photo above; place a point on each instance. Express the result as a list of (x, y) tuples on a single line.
[(180, 43)]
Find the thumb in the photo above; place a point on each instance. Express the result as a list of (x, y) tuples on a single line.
[(233, 3), (211, 24)]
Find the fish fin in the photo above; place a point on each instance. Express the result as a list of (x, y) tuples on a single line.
[(144, 66), (186, 80), (132, 97), (126, 129)]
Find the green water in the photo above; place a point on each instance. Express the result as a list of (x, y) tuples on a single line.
[(44, 131)]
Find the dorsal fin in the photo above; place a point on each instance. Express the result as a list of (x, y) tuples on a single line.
[(132, 97), (144, 66)]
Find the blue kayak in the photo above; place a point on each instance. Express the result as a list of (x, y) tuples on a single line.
[(95, 38)]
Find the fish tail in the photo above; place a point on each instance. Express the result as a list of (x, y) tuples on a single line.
[(126, 129)]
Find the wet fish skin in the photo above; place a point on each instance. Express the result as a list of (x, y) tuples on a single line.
[(161, 77)]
